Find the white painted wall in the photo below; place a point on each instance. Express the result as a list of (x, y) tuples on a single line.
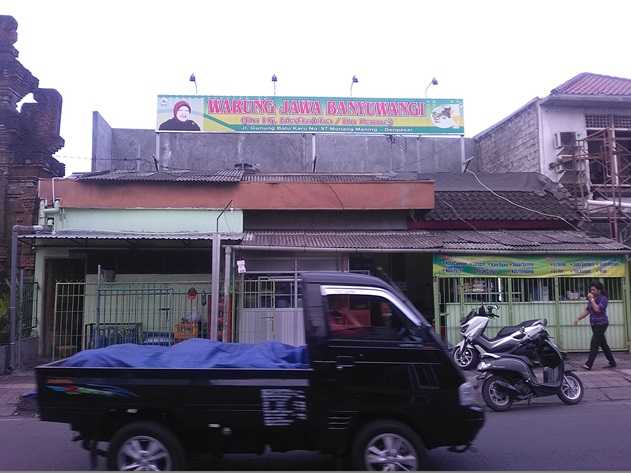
[(149, 220), (555, 120)]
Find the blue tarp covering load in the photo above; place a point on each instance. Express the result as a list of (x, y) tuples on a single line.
[(193, 353)]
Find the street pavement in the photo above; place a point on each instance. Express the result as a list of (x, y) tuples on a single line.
[(541, 436), (553, 436)]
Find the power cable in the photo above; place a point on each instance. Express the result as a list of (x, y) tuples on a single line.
[(521, 206)]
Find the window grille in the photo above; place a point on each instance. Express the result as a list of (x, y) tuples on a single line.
[(597, 121), (622, 121)]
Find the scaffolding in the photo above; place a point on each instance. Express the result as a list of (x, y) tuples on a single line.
[(601, 165)]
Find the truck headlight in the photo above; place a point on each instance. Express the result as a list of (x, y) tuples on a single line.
[(466, 394)]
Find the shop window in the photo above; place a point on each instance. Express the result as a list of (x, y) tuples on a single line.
[(532, 289), (484, 290), (448, 290), (575, 289)]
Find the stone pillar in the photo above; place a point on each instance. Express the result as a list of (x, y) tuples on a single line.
[(28, 139)]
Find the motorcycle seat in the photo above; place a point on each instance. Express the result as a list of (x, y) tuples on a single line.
[(506, 331)]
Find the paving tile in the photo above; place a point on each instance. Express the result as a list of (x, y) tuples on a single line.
[(617, 393), (594, 395)]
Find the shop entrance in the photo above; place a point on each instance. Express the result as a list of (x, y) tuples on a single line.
[(411, 272)]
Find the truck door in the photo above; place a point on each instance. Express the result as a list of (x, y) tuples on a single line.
[(376, 358)]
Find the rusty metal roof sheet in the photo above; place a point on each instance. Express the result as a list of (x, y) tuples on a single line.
[(98, 235), (489, 242), (439, 241), (216, 176), (331, 178)]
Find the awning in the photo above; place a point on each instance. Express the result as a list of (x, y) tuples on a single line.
[(417, 241), (442, 242), (85, 238)]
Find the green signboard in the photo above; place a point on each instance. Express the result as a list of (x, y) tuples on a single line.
[(529, 266), (229, 114)]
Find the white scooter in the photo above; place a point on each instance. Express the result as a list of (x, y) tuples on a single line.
[(510, 339)]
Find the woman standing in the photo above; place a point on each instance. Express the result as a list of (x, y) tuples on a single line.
[(597, 310)]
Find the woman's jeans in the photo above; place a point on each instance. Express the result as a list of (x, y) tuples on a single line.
[(599, 340)]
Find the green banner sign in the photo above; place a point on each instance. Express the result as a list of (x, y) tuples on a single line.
[(529, 266), (226, 114)]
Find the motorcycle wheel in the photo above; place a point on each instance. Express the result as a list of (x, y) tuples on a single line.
[(571, 391), (466, 358), (494, 396)]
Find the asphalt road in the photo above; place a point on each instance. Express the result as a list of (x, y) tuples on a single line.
[(546, 435)]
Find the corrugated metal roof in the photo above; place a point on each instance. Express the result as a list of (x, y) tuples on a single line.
[(534, 241), (237, 175), (222, 175), (94, 235), (587, 83), (320, 177), (439, 241)]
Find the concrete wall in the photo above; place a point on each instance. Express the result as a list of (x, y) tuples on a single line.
[(134, 149), (325, 220), (101, 143), (512, 145), (555, 119)]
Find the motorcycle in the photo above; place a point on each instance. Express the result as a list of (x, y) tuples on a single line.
[(475, 344), (508, 378)]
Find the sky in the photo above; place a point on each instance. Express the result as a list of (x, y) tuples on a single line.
[(116, 56)]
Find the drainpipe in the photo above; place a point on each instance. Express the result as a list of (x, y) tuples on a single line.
[(12, 293), (51, 211)]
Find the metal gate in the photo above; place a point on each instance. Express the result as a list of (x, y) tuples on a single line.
[(269, 308), (88, 315)]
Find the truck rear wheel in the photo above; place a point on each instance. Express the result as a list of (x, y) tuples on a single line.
[(145, 446), (387, 445)]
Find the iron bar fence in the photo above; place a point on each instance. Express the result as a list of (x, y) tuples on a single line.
[(559, 300), (94, 315)]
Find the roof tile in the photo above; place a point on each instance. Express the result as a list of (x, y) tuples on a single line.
[(587, 83)]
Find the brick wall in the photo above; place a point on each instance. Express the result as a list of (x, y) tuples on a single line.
[(512, 145)]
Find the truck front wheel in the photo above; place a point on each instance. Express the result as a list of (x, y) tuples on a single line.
[(145, 446), (387, 445)]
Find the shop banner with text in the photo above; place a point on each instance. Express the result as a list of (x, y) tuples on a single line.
[(529, 266), (226, 114)]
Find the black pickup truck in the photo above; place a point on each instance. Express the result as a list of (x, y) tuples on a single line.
[(380, 389)]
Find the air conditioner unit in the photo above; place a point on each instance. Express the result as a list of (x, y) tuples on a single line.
[(566, 139)]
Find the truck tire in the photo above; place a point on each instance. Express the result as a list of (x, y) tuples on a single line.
[(387, 445), (148, 445)]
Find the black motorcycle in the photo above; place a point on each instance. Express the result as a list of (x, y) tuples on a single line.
[(510, 378)]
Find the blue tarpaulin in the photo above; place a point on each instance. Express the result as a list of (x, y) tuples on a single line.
[(193, 353)]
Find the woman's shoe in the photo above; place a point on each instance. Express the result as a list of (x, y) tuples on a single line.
[(587, 367)]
